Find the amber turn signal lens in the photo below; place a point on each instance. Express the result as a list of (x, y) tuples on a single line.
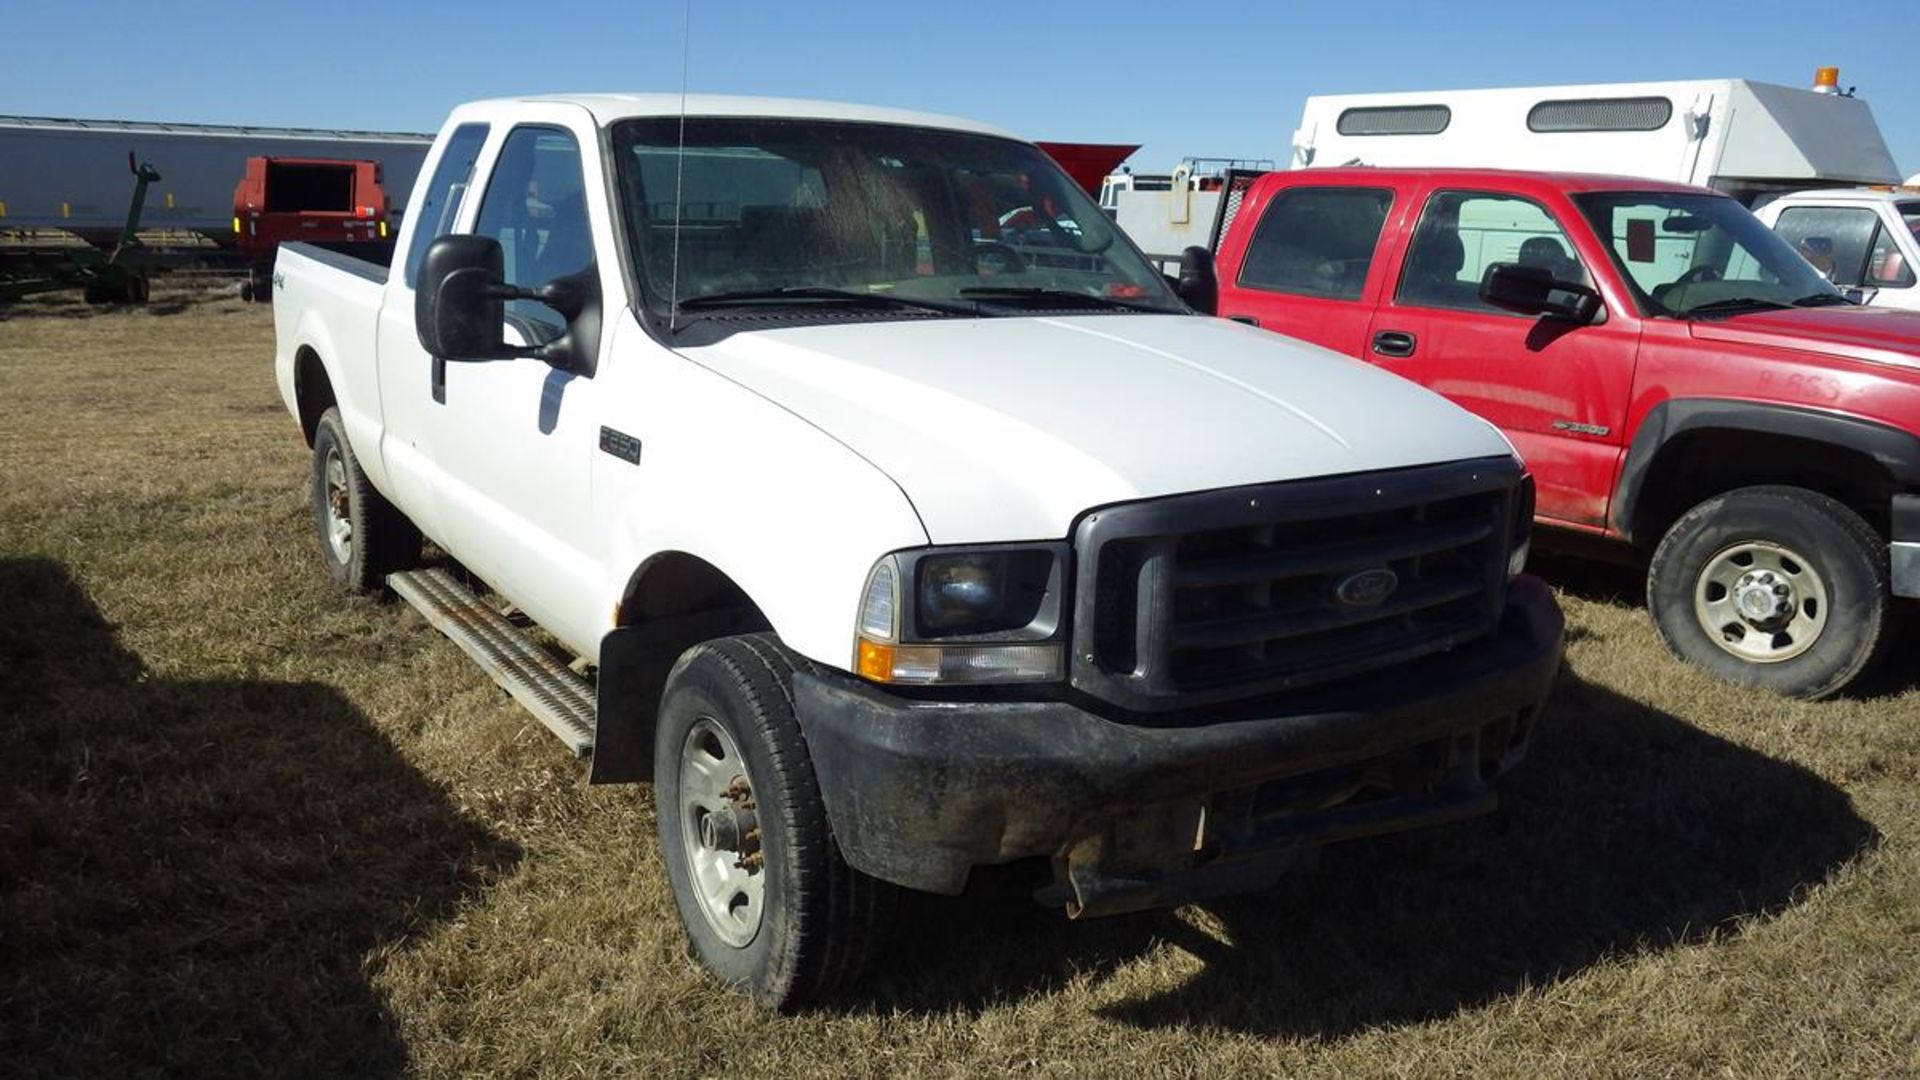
[(876, 661)]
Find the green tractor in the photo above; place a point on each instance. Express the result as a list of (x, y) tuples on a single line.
[(121, 275)]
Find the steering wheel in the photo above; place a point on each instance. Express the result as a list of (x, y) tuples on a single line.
[(1697, 274), (1010, 260)]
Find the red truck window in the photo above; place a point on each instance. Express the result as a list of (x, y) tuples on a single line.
[(1317, 241), (1462, 233)]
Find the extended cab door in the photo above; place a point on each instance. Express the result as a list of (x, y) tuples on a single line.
[(1302, 257), (1559, 390), (409, 378)]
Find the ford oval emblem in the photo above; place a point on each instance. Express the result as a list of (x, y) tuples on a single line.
[(1366, 588)]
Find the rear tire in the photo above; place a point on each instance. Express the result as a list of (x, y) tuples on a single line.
[(363, 538), (768, 904), (1779, 588)]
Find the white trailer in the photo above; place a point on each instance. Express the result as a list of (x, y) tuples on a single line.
[(1745, 138)]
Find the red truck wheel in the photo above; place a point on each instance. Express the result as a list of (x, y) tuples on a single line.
[(1773, 587)]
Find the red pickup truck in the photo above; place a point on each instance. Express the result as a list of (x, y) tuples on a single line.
[(1677, 377)]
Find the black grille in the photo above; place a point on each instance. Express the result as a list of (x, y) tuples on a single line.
[(1199, 599)]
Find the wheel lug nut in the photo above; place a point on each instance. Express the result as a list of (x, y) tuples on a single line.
[(1780, 589)]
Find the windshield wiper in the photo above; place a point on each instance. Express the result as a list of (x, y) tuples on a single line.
[(1735, 304), (820, 294), (1047, 297), (1823, 299)]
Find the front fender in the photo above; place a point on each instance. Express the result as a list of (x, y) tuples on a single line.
[(789, 514)]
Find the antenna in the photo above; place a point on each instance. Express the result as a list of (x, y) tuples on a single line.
[(679, 167)]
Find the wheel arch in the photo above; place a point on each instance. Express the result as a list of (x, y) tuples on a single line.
[(1688, 450), (313, 392), (672, 601)]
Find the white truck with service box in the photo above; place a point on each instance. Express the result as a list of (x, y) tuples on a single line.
[(1745, 138), (1865, 240), (907, 521)]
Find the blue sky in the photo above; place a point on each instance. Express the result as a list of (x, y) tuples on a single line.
[(1196, 79)]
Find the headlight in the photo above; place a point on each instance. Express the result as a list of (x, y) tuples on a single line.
[(964, 616), (1520, 543)]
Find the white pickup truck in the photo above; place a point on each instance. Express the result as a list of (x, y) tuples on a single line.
[(903, 518), (1865, 240)]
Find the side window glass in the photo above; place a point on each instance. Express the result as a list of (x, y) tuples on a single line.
[(1461, 234), (1887, 265), (1317, 242), (1835, 239), (439, 201), (535, 205)]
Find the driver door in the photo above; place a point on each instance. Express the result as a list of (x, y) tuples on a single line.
[(516, 438), (1558, 390)]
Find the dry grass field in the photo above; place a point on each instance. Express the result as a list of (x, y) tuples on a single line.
[(251, 827)]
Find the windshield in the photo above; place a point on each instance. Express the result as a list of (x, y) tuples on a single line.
[(893, 218), (1689, 255)]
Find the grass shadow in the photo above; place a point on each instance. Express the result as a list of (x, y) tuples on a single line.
[(1628, 830), (197, 877)]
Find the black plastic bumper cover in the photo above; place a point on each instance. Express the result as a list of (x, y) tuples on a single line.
[(920, 792)]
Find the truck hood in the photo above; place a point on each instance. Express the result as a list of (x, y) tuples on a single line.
[(1875, 335), (1009, 428)]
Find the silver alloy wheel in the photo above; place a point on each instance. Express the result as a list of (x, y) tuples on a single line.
[(1760, 601), (720, 833), (339, 513)]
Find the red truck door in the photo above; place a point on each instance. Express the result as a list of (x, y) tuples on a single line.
[(1558, 390), (1310, 266)]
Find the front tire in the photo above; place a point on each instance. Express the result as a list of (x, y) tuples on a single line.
[(1773, 587), (768, 904), (363, 538)]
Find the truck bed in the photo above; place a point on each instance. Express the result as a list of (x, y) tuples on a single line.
[(369, 260)]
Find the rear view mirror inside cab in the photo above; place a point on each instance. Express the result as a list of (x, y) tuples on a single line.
[(1640, 240)]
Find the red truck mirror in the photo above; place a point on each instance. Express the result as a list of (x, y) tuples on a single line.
[(1196, 283), (1533, 290)]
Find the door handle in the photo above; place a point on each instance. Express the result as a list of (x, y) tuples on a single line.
[(1248, 319), (1395, 343)]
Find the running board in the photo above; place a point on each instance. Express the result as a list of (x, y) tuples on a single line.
[(557, 697)]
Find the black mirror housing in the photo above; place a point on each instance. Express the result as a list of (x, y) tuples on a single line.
[(458, 305), (1533, 290), (1196, 283)]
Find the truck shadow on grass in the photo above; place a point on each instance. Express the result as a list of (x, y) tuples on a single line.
[(1627, 830), (198, 877)]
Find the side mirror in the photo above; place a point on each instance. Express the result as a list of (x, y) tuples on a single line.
[(459, 302), (1533, 290), (1196, 284), (459, 307)]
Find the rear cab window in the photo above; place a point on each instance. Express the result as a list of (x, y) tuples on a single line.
[(1316, 241), (438, 206)]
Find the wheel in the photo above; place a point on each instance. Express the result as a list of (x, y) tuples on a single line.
[(138, 290), (768, 904), (1774, 587), (363, 538)]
